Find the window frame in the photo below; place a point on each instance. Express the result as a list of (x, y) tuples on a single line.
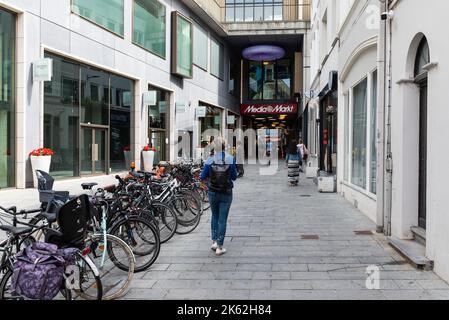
[(347, 179), (165, 32), (99, 25), (175, 15)]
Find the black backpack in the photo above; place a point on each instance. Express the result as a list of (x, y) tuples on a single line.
[(220, 177)]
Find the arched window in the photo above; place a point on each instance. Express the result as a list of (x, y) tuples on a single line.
[(422, 57)]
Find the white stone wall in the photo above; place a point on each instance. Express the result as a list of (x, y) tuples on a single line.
[(414, 18), (357, 58)]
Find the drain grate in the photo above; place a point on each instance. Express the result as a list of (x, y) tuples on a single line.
[(364, 233), (305, 195), (310, 237)]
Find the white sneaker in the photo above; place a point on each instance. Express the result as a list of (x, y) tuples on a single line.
[(220, 251), (214, 246)]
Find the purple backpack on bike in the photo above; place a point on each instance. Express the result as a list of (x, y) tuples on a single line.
[(39, 270)]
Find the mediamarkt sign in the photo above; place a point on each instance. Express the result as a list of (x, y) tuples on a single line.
[(276, 108)]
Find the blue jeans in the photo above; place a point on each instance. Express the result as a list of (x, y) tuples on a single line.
[(220, 203)]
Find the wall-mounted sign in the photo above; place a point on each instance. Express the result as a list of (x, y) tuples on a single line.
[(150, 98), (180, 107), (231, 120), (217, 119), (267, 108), (201, 112), (43, 69)]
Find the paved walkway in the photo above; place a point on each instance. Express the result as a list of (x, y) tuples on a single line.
[(268, 258)]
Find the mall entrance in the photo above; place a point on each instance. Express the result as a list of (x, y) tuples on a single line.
[(275, 126)]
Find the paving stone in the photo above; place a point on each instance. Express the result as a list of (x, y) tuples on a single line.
[(267, 259), (145, 294), (293, 295)]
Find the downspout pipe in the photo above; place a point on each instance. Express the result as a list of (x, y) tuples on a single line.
[(380, 136), (388, 152)]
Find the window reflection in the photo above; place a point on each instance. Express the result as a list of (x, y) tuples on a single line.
[(270, 80), (253, 10)]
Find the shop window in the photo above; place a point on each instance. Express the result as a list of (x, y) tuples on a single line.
[(105, 105), (149, 26), (120, 122), (7, 99), (359, 129), (109, 14)]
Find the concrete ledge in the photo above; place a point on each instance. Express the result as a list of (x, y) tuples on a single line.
[(413, 252)]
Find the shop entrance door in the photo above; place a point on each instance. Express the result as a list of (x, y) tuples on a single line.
[(94, 148), (422, 201)]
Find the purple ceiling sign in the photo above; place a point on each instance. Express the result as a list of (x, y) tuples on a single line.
[(263, 53)]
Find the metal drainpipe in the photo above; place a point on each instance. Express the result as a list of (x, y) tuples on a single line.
[(381, 51), (389, 156)]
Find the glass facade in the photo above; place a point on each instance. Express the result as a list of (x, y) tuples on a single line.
[(149, 26), (270, 80), (182, 46), (359, 133), (87, 119), (158, 123), (253, 10), (200, 47), (216, 58), (109, 14), (7, 98)]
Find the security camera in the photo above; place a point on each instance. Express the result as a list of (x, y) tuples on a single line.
[(387, 15)]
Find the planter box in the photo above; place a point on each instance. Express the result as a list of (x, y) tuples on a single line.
[(327, 183), (148, 159), (40, 163)]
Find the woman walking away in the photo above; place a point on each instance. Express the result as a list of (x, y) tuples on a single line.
[(293, 162), (220, 171)]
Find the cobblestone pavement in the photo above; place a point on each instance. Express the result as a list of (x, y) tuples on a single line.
[(268, 258)]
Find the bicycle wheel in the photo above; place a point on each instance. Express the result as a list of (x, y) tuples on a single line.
[(85, 280), (115, 265), (143, 239), (188, 219), (165, 218), (6, 294), (203, 194)]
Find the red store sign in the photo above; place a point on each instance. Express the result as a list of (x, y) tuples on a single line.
[(267, 108)]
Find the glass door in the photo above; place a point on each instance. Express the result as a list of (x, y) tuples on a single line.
[(158, 141), (94, 142)]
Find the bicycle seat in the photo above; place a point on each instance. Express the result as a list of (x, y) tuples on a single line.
[(16, 231), (88, 186)]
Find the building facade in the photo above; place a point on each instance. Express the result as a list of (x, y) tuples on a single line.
[(390, 116), (418, 112), (110, 60)]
